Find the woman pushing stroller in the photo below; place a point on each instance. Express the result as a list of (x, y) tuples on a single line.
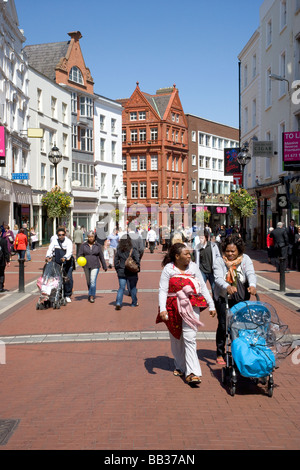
[(235, 277)]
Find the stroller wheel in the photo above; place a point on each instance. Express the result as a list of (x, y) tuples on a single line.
[(37, 307), (232, 390)]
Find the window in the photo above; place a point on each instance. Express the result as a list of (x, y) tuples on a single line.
[(253, 113), (143, 189), (74, 102), (154, 133), (269, 33), (102, 149), (113, 125), (65, 144), (134, 190), (207, 140), (154, 189), (269, 89), (207, 162), (65, 178), (39, 100), (194, 187), (142, 115), (124, 163), (133, 135), (53, 107), (103, 183), (220, 165), (123, 135), (113, 151), (102, 122), (201, 161), (113, 182), (194, 136), (194, 160), (133, 116), (214, 142), (75, 75), (142, 134), (143, 164), (43, 175), (86, 106), (283, 14), (201, 139), (268, 160), (177, 190), (245, 76), (282, 84), (246, 120), (254, 66), (214, 163), (154, 162), (86, 139), (52, 176), (134, 165), (64, 109)]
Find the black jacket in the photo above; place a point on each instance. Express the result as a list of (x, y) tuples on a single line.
[(6, 257), (280, 237), (119, 262), (93, 255)]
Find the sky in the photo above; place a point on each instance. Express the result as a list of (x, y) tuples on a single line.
[(193, 44)]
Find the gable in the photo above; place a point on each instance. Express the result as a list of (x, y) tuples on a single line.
[(140, 101)]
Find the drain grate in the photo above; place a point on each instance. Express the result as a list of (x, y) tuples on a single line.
[(7, 428)]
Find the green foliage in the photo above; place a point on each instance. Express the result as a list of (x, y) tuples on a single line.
[(241, 203), (57, 202)]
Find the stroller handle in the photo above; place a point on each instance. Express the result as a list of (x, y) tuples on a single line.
[(226, 298)]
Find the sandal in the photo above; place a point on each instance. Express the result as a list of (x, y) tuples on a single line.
[(193, 379), (221, 361), (178, 373)]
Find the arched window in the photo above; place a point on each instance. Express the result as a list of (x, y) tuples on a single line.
[(75, 75)]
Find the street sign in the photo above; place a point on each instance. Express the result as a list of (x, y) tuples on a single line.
[(282, 202), (263, 148), (20, 176)]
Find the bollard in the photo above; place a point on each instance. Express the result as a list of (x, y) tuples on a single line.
[(21, 275), (282, 262)]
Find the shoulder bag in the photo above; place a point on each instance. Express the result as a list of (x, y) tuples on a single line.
[(130, 264)]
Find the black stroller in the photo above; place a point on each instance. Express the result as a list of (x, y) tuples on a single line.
[(256, 341), (51, 286)]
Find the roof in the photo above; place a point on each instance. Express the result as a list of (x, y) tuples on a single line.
[(45, 57), (159, 102)]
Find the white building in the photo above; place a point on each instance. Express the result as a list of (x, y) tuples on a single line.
[(108, 156), (49, 110), (15, 194), (268, 110)]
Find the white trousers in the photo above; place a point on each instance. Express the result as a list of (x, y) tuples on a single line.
[(184, 349)]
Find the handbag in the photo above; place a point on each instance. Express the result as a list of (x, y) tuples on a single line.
[(10, 239), (130, 264)]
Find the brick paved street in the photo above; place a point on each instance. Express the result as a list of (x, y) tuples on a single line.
[(90, 377)]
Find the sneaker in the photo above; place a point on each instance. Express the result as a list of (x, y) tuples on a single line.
[(68, 300)]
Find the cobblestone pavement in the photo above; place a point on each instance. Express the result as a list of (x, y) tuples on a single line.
[(90, 377)]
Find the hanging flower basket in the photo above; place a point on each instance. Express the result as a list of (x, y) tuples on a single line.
[(241, 203), (57, 202)]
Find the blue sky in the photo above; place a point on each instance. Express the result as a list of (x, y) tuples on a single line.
[(193, 44)]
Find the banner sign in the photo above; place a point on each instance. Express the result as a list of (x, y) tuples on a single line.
[(291, 151), (2, 146), (263, 148), (231, 164)]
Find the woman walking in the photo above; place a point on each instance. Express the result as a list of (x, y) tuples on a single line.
[(234, 277), (182, 294), (8, 235), (33, 238), (123, 251), (92, 251), (20, 244)]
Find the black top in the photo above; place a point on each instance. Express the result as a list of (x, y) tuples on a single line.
[(119, 262), (93, 254)]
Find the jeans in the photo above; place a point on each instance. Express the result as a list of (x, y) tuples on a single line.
[(91, 279), (21, 254), (122, 285), (209, 277), (68, 285), (28, 253)]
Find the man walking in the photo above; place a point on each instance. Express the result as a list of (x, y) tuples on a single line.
[(206, 253), (281, 242), (78, 239), (151, 237)]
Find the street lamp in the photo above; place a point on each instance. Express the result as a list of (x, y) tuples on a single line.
[(273, 76), (244, 158), (117, 194), (55, 157)]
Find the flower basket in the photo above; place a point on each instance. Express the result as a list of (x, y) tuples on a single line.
[(57, 202)]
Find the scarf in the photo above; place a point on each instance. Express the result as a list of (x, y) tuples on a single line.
[(231, 276)]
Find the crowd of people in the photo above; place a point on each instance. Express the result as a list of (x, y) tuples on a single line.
[(283, 243)]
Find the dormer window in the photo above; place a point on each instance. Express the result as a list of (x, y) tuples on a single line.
[(75, 75)]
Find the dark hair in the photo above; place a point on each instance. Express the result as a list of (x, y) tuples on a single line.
[(60, 229), (234, 240), (21, 230), (170, 256), (125, 243)]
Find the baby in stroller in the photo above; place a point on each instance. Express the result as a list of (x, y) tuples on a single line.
[(51, 287)]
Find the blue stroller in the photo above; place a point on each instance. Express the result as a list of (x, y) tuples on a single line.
[(258, 342)]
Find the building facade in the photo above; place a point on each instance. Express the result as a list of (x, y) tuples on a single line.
[(155, 150), (268, 110), (208, 187), (15, 187)]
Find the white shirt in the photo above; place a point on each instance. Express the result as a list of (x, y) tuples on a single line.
[(169, 271), (151, 235), (66, 245)]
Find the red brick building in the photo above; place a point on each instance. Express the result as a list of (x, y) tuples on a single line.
[(155, 148)]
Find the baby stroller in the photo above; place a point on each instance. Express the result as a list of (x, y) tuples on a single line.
[(258, 342), (51, 287)]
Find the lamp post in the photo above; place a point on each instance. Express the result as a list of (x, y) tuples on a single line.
[(55, 157), (244, 158), (273, 76), (117, 194)]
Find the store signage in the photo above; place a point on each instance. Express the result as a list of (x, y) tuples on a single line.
[(291, 151), (2, 146), (231, 164), (20, 176), (222, 210), (263, 148)]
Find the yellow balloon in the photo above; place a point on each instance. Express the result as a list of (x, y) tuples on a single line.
[(81, 261)]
